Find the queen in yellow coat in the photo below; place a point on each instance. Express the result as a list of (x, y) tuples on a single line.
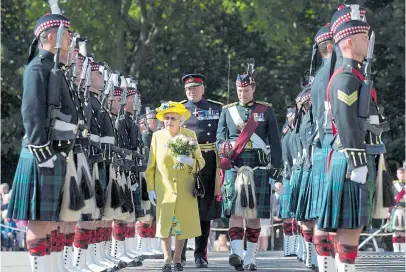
[(176, 209)]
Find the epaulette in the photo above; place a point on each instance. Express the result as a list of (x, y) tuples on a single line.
[(215, 102), (229, 105), (264, 103), (183, 101)]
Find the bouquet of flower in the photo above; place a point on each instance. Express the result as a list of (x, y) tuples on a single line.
[(181, 145)]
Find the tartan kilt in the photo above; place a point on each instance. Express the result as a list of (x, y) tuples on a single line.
[(295, 179), (304, 192), (284, 200), (37, 191), (261, 179), (319, 177), (345, 205)]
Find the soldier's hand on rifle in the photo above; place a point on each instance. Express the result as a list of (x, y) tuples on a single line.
[(49, 163), (359, 175)]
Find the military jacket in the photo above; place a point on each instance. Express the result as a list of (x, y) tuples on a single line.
[(204, 119), (127, 131), (296, 148), (101, 117), (318, 97), (267, 130), (344, 94), (34, 108), (286, 155), (306, 132), (146, 137)]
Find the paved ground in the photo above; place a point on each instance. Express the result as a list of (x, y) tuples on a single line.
[(267, 261)]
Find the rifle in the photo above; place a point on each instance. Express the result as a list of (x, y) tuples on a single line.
[(366, 87), (54, 88), (124, 97)]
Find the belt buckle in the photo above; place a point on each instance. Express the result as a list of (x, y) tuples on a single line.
[(249, 145)]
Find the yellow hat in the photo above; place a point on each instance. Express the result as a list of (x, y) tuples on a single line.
[(172, 107)]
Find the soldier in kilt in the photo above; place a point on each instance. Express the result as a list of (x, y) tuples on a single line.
[(204, 120), (306, 132), (127, 137), (321, 148), (397, 215), (345, 206), (296, 149), (246, 189), (286, 188), (42, 167)]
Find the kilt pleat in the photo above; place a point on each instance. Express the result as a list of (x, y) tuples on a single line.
[(346, 202), (37, 191), (319, 177), (261, 179), (303, 195), (295, 185), (284, 200)]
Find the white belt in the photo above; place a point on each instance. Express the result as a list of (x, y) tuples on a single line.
[(254, 168), (94, 138), (107, 140), (64, 126)]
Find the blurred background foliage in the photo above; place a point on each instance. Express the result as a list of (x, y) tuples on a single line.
[(159, 41)]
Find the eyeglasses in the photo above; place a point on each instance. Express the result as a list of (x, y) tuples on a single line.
[(167, 118)]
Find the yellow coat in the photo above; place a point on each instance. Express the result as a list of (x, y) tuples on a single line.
[(173, 188)]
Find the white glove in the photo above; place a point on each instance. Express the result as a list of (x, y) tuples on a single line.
[(359, 175), (152, 197), (185, 159), (49, 163)]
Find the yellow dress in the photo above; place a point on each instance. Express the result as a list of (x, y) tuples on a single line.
[(173, 188)]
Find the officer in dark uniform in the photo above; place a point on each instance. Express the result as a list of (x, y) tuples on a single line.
[(325, 45), (351, 160), (204, 120), (256, 165), (50, 132)]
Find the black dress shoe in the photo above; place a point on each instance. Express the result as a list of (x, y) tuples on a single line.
[(167, 268), (201, 263), (250, 267), (236, 261), (178, 267)]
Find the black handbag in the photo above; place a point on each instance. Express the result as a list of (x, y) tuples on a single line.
[(198, 189)]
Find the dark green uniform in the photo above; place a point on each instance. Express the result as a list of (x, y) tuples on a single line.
[(349, 153), (323, 140), (252, 156), (37, 190), (287, 171)]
